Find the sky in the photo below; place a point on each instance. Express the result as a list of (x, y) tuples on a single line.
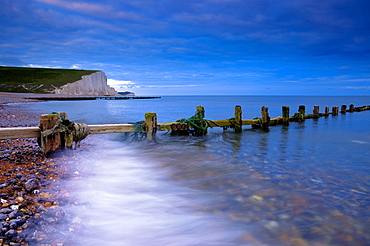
[(197, 47)]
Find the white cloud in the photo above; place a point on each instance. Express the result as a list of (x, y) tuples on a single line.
[(75, 66), (41, 66), (34, 65), (121, 84)]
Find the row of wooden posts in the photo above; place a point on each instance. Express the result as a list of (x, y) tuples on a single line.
[(195, 125)]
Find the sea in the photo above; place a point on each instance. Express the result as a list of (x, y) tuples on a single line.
[(303, 184)]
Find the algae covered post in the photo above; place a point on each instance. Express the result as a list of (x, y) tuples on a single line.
[(285, 110), (335, 110), (151, 125), (238, 119), (265, 120), (316, 109)]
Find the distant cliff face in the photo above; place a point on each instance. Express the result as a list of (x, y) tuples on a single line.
[(90, 85)]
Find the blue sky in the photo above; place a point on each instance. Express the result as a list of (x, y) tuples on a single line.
[(197, 47)]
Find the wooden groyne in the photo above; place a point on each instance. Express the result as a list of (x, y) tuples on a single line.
[(56, 131)]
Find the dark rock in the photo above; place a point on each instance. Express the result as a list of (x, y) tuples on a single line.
[(11, 181), (31, 185), (19, 175), (23, 179), (15, 214), (16, 187), (2, 217), (15, 223), (5, 210), (65, 176), (30, 239), (11, 233)]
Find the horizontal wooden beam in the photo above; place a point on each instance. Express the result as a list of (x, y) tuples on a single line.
[(249, 122), (19, 132), (33, 132), (222, 123), (111, 128)]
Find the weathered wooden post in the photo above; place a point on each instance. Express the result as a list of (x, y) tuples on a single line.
[(238, 119), (335, 110), (316, 109), (201, 125), (327, 109), (285, 114), (265, 117), (200, 112), (151, 126), (351, 108), (52, 141), (343, 109), (302, 112)]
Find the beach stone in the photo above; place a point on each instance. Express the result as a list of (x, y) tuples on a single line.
[(272, 225), (31, 184), (5, 210), (11, 233), (298, 241), (19, 199), (14, 214), (3, 217), (11, 181), (15, 223)]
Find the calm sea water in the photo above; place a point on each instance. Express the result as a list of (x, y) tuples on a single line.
[(305, 184)]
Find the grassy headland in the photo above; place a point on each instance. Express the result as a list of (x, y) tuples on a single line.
[(37, 80)]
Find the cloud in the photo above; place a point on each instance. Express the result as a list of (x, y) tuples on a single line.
[(93, 9), (42, 66), (121, 84), (356, 87), (75, 24)]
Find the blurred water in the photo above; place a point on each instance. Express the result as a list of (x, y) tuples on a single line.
[(305, 184)]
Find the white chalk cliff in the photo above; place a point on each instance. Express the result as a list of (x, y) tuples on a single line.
[(94, 84)]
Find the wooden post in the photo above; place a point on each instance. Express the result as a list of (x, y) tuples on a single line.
[(200, 112), (302, 111), (316, 110), (327, 111), (343, 109), (51, 142), (265, 118), (151, 125), (335, 110), (238, 119), (285, 114), (201, 130), (351, 108)]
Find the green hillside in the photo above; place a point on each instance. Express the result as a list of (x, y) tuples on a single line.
[(37, 80)]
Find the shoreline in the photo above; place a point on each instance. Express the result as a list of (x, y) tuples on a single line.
[(34, 203)]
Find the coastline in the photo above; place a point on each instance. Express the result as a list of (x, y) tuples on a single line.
[(33, 200)]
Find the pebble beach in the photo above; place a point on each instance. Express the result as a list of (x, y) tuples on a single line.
[(33, 201)]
